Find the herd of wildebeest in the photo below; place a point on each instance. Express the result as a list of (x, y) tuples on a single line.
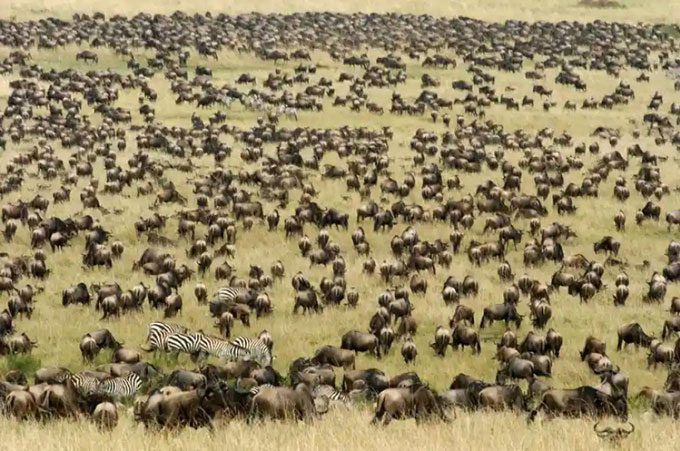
[(64, 131)]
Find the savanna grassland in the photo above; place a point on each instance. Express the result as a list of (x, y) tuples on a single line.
[(58, 329)]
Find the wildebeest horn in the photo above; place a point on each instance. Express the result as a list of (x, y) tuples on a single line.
[(617, 369), (604, 431), (632, 429)]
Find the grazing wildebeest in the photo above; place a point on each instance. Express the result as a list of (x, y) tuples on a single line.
[(501, 312), (463, 335), (417, 401), (582, 401), (591, 345), (632, 333), (360, 342)]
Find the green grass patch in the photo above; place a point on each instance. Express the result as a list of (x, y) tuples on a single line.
[(26, 363)]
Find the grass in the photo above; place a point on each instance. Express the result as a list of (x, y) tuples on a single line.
[(651, 11), (58, 330), (343, 430), (26, 363)]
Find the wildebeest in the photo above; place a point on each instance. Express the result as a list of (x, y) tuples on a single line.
[(607, 244), (591, 345), (632, 333), (87, 55), (307, 300), (334, 356), (501, 312), (105, 416), (502, 397), (660, 353), (416, 401), (582, 401), (463, 335), (284, 402), (442, 337), (360, 342), (194, 408), (409, 350)]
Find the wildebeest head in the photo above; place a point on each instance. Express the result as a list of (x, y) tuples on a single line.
[(613, 434)]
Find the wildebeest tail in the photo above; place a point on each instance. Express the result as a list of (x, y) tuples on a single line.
[(379, 410)]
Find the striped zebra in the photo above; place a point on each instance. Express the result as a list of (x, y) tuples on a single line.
[(223, 349), (188, 343), (256, 348), (331, 393), (289, 112), (85, 384), (121, 387), (229, 295), (158, 333), (239, 349)]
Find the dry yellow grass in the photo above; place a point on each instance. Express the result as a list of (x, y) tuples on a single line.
[(344, 430), (58, 330), (652, 11)]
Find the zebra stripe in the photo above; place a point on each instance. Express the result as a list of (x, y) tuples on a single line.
[(257, 349), (239, 349), (121, 387), (320, 390), (85, 384), (186, 343), (330, 392), (222, 349), (158, 333), (227, 295)]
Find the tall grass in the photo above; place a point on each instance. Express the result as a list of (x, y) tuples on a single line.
[(340, 430)]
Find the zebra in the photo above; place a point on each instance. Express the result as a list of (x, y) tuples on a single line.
[(239, 349), (256, 348), (158, 333), (229, 295), (289, 112), (188, 343), (331, 393), (85, 384), (121, 387), (223, 349)]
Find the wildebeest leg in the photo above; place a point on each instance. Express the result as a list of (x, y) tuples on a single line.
[(387, 418), (253, 415)]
